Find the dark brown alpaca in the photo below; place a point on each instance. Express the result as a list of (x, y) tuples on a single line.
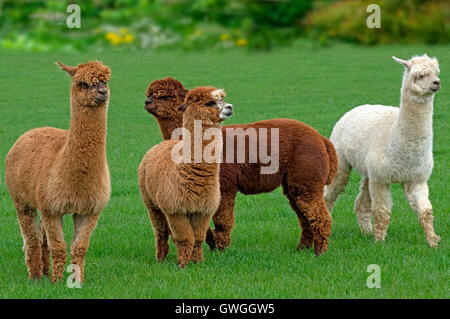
[(307, 162)]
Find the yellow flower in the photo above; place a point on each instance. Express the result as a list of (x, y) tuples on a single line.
[(128, 38), (113, 38), (241, 42), (198, 32), (123, 30), (224, 37)]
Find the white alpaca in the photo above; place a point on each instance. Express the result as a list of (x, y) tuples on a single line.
[(390, 145)]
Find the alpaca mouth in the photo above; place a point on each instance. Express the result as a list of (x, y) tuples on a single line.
[(434, 89), (101, 99)]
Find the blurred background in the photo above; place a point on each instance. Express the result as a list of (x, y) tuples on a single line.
[(39, 25)]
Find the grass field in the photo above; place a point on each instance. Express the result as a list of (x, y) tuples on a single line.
[(313, 85)]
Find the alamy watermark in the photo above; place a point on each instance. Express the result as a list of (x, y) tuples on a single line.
[(373, 20), (192, 150), (74, 280), (374, 280), (73, 21)]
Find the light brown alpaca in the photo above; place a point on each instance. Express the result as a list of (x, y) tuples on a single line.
[(182, 197), (62, 172)]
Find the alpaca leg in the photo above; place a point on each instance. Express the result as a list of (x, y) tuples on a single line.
[(306, 238), (53, 225), (381, 207), (363, 207), (161, 231), (337, 187), (311, 203), (223, 219), (200, 224), (183, 236), (45, 251), (417, 196), (84, 225), (32, 241)]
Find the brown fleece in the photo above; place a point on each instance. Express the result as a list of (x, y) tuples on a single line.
[(307, 162), (63, 172), (182, 197), (163, 99)]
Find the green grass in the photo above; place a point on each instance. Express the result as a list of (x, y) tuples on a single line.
[(316, 86)]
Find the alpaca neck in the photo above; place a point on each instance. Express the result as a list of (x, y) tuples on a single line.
[(85, 150), (168, 125), (411, 133), (205, 151)]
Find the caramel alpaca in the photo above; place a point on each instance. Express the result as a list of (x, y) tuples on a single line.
[(61, 172), (307, 162), (182, 197)]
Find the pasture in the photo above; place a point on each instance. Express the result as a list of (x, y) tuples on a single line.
[(310, 84)]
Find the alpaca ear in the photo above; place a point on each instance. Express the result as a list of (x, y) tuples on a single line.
[(407, 64), (68, 69), (184, 106)]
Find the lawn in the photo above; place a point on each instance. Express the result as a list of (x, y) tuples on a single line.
[(313, 85)]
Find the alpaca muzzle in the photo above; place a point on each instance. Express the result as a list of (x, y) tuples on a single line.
[(226, 112)]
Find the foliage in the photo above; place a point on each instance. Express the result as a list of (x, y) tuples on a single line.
[(419, 21), (40, 24)]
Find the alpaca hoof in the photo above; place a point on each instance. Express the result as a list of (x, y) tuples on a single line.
[(366, 230), (433, 240)]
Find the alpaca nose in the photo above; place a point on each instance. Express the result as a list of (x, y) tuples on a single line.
[(148, 101), (102, 91), (437, 82)]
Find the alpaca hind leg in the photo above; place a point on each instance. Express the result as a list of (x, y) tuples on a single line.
[(306, 238), (311, 203), (337, 186), (45, 251), (84, 225), (32, 240), (223, 219), (183, 236), (417, 196), (200, 224), (53, 225), (381, 207), (161, 231), (363, 207)]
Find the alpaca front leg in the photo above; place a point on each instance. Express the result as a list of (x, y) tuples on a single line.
[(363, 207), (200, 224), (417, 196), (32, 242), (182, 235), (337, 187), (381, 198), (161, 231), (53, 225), (84, 225), (220, 237)]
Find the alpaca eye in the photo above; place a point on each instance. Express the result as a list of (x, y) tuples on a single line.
[(164, 98), (84, 85), (210, 103)]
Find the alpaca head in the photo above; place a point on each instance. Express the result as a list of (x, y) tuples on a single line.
[(206, 104), (164, 97), (421, 75), (89, 86)]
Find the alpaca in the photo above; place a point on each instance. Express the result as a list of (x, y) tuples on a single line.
[(389, 145), (307, 161), (182, 197), (62, 172)]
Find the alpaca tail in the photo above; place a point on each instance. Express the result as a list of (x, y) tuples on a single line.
[(332, 157)]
